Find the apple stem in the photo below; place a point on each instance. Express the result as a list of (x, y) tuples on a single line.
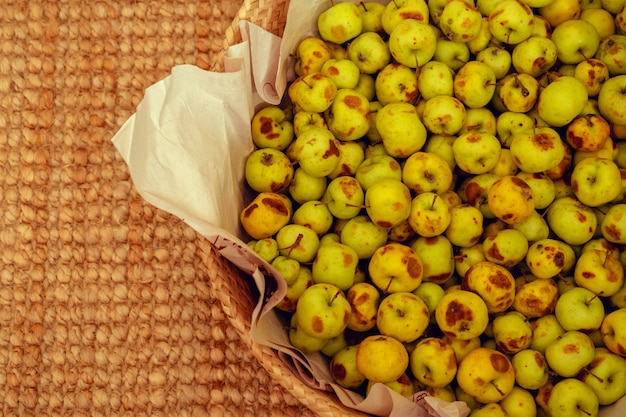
[(295, 243), (334, 298), (363, 5), (434, 200), (589, 301), (596, 377), (306, 83)]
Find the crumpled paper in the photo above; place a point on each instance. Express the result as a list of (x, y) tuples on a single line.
[(186, 147)]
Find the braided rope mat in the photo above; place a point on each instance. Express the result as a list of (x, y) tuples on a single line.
[(105, 305)]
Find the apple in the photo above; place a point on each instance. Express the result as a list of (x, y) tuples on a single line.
[(534, 56), (511, 21), (475, 83), (476, 152), (437, 256), (304, 187), (562, 100), (547, 258), (571, 397), (433, 362), (593, 181), (498, 58), (452, 53), (266, 214), (288, 268), (351, 155), (531, 369), (474, 190), (559, 11), (511, 199), (462, 314), (369, 52), (599, 272), (399, 10), (443, 114), (520, 403), (435, 78), (493, 282), (612, 100), (588, 133), (486, 374), (466, 226), (606, 375), (579, 309), (303, 341), (601, 19), (506, 247), (396, 83), (364, 299), (509, 123), (536, 298), (401, 129), (343, 368), (297, 242), (534, 228), (311, 53), (335, 263), (542, 186), (313, 92), (395, 267), (316, 151), (576, 40), (511, 332), (479, 120), (572, 221), (570, 353), (271, 128), (344, 197), (381, 358), (431, 293), (362, 235), (612, 51), (340, 23), (483, 39), (518, 92), (592, 73), (537, 150), (348, 117), (412, 43), (612, 225), (613, 331), (372, 16), (430, 214), (322, 311), (266, 248), (460, 21), (427, 172), (377, 167), (295, 289), (388, 202), (403, 386), (402, 315)]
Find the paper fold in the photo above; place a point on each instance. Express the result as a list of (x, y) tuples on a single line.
[(186, 147)]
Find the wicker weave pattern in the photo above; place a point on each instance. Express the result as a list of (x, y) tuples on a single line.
[(105, 306)]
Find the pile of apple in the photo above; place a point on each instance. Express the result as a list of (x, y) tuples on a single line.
[(443, 191)]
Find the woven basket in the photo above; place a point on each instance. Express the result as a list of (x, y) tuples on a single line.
[(235, 291)]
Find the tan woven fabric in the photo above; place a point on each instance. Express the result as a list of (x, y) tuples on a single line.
[(105, 305)]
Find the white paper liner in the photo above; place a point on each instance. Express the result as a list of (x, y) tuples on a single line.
[(186, 147)]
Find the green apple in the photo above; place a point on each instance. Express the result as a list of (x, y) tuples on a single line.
[(571, 397), (462, 314), (362, 235), (570, 353), (388, 202), (313, 92), (606, 375), (509, 123), (466, 225), (437, 256), (518, 92), (372, 16), (369, 52), (531, 369), (367, 86), (288, 268), (542, 186), (396, 83), (534, 56), (268, 170), (476, 152), (304, 187), (381, 358), (376, 167), (452, 53), (402, 315), (486, 374), (520, 403), (344, 197), (592, 73), (340, 23), (343, 71), (511, 331), (536, 298), (547, 258), (599, 272), (559, 11), (266, 214), (311, 53), (322, 311), (481, 119), (430, 214), (272, 128), (335, 263), (313, 214), (483, 39), (412, 43), (401, 129), (612, 51), (395, 267), (348, 117), (302, 120), (579, 309), (612, 225), (295, 289), (562, 100), (613, 330), (507, 247), (601, 19), (593, 181), (498, 58), (302, 340), (343, 368), (493, 283), (266, 248), (475, 83), (534, 227), (442, 146), (576, 40), (433, 362), (435, 78), (460, 21), (546, 329), (364, 299), (537, 150), (297, 242), (612, 100), (510, 21), (351, 155), (316, 152), (572, 221), (511, 199), (444, 114), (399, 10), (427, 172)]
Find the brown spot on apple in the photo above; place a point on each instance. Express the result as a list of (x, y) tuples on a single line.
[(329, 92), (479, 382), (581, 216), (318, 324), (588, 275), (499, 362), (332, 70), (571, 348), (457, 312), (500, 280), (339, 371), (613, 232), (540, 360), (347, 259), (413, 267), (494, 253), (352, 101), (410, 14)]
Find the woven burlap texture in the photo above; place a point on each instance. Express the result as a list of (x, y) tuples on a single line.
[(105, 305)]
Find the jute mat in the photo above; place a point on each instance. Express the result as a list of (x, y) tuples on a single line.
[(105, 306)]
